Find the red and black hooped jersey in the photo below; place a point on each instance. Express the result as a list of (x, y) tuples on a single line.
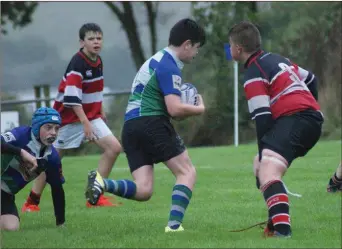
[(82, 85), (274, 85)]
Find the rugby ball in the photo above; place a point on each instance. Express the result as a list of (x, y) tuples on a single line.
[(189, 94)]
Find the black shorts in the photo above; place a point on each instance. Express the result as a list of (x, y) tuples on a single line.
[(8, 204), (293, 136), (149, 140)]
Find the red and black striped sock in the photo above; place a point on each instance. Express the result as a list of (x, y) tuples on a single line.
[(33, 198), (277, 202), (257, 183), (334, 180)]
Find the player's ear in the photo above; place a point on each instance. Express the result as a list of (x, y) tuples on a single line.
[(187, 44), (239, 49), (81, 43)]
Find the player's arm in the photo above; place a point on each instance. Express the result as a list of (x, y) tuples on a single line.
[(73, 94), (170, 83), (73, 89), (80, 114), (7, 148), (103, 114), (55, 178), (259, 106), (310, 80), (178, 109)]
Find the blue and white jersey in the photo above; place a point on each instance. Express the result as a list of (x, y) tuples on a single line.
[(14, 174)]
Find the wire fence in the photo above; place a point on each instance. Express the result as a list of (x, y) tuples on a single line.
[(19, 112)]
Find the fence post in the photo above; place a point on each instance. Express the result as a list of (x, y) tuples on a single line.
[(37, 95), (46, 89)]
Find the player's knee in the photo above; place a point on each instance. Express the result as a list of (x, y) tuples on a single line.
[(256, 165), (187, 170), (116, 149), (192, 172), (12, 225), (112, 152), (271, 157), (110, 145), (272, 167), (144, 191)]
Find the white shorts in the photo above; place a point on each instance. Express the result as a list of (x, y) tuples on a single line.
[(72, 135)]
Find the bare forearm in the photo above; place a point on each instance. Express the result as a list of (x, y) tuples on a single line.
[(185, 110), (80, 114)]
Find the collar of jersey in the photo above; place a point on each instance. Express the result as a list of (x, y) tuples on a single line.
[(252, 57), (180, 64), (36, 146)]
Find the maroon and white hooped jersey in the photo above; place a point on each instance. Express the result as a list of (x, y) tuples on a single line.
[(82, 85), (274, 85)]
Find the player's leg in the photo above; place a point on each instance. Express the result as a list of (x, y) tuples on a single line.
[(9, 219), (291, 137), (169, 148), (141, 189), (272, 168), (141, 167), (185, 173), (9, 222), (111, 149), (32, 202), (109, 144), (256, 166), (335, 182)]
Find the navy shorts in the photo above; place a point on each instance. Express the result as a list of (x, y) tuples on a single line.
[(295, 135), (150, 139), (8, 204)]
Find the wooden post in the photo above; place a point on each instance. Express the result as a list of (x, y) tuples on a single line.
[(46, 89), (37, 95)]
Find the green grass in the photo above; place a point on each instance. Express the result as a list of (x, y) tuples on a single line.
[(225, 198)]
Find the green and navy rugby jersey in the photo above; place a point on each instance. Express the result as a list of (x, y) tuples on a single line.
[(158, 76), (14, 175)]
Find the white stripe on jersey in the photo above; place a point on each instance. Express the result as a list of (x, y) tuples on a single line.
[(261, 113), (92, 80), (312, 78), (291, 88), (73, 91), (258, 102), (88, 98), (278, 74), (60, 97), (254, 80), (132, 105), (303, 73), (74, 72)]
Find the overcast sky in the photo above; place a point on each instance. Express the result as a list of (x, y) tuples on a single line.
[(39, 53)]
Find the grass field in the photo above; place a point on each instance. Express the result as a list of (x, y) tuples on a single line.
[(225, 198)]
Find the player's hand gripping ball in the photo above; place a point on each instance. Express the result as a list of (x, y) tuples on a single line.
[(189, 94)]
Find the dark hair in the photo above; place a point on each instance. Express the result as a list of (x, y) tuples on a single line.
[(247, 35), (89, 27), (186, 29)]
